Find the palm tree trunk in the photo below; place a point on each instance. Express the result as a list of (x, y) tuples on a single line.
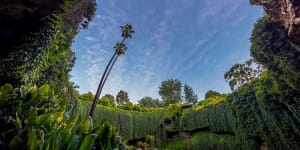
[(109, 70), (103, 80), (101, 85)]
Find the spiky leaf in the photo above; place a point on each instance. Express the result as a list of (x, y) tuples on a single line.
[(85, 126), (88, 142), (32, 140)]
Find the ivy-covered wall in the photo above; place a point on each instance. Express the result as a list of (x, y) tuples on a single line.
[(261, 117), (214, 118), (42, 54), (256, 114), (130, 124)]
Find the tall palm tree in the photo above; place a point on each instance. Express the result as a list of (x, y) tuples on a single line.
[(120, 49)]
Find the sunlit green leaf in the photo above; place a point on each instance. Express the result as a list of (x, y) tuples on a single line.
[(6, 89), (44, 90), (88, 142)]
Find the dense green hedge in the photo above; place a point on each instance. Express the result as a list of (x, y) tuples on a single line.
[(216, 118), (130, 124), (204, 141)]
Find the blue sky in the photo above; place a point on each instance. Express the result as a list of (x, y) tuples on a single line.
[(194, 41)]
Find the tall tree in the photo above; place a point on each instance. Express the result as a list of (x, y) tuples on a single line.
[(122, 97), (170, 91), (189, 95), (120, 49), (239, 74)]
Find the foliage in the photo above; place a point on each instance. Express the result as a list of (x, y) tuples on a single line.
[(111, 99), (127, 31), (150, 140), (240, 74), (87, 96), (76, 134), (170, 91), (203, 141), (275, 119), (27, 111), (38, 118), (213, 141), (176, 112), (147, 144), (128, 105), (177, 143), (175, 107), (211, 94), (138, 108), (149, 102), (262, 114), (106, 101), (122, 97), (189, 95), (211, 101)]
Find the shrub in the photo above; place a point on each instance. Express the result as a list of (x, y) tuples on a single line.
[(128, 106), (104, 101), (211, 101)]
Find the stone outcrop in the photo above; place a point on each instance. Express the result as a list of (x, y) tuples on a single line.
[(285, 13)]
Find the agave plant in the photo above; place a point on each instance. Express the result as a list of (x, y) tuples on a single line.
[(120, 49)]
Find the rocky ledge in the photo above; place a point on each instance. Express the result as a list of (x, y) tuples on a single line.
[(285, 13)]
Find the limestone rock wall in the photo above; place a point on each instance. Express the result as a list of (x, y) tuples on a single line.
[(285, 13)]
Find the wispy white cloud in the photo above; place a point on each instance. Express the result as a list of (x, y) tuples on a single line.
[(163, 46), (90, 38)]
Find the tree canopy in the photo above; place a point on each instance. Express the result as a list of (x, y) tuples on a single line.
[(122, 97), (211, 94), (107, 100), (239, 74), (170, 91), (110, 97), (189, 95), (150, 102), (87, 96)]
